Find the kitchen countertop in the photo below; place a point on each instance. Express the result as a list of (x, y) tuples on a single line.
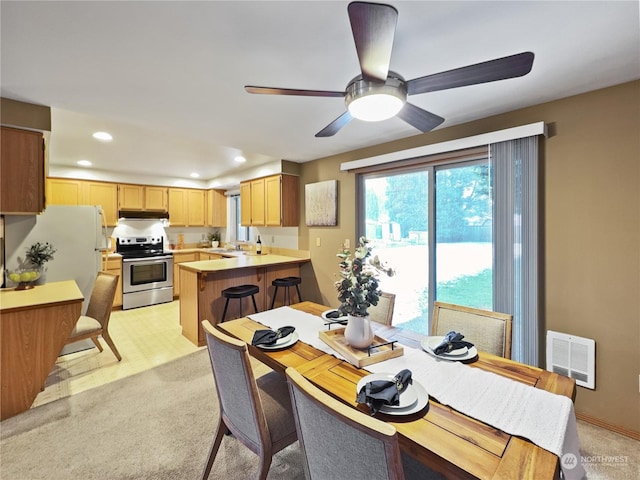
[(47, 294), (241, 260)]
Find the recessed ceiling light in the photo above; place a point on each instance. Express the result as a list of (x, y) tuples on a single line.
[(84, 163), (104, 136), (240, 159), (194, 175)]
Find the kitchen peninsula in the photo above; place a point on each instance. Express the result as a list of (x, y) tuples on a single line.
[(201, 285)]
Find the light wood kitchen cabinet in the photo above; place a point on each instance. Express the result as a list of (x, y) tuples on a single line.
[(257, 202), (195, 208), (155, 198), (63, 191), (179, 258), (245, 204), (22, 177), (106, 195), (186, 207), (216, 208), (208, 256), (273, 201), (114, 266), (281, 200), (142, 198)]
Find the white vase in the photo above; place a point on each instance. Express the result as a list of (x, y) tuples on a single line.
[(358, 333), (215, 243)]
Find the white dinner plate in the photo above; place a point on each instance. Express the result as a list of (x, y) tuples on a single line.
[(282, 342), (405, 408), (428, 344), (328, 319)]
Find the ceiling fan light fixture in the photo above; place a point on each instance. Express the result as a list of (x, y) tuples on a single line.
[(375, 107), (375, 101)]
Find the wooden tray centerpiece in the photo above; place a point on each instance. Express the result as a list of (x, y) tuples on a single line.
[(381, 349)]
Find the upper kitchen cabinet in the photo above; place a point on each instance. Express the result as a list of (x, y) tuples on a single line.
[(216, 208), (273, 201), (245, 203), (142, 198), (65, 191), (281, 200), (21, 172), (187, 207)]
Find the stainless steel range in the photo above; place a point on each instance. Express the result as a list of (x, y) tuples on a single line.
[(147, 271)]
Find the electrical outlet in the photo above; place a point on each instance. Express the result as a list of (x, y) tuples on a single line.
[(347, 243), (317, 241)]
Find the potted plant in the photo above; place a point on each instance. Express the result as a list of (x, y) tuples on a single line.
[(32, 268), (214, 238), (358, 290), (40, 253)]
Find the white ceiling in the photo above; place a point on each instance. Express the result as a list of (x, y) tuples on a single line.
[(166, 78)]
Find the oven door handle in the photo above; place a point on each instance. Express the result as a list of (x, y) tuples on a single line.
[(148, 259)]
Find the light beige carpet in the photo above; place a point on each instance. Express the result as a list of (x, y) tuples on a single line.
[(158, 425), (155, 425)]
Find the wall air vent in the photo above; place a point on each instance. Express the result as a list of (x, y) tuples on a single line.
[(573, 357)]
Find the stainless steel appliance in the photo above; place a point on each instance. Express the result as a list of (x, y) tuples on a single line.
[(147, 271)]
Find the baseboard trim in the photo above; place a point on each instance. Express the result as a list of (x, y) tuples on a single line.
[(608, 426)]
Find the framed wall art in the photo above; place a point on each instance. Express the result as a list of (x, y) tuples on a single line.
[(321, 203)]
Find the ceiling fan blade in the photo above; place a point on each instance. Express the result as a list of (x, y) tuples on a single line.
[(333, 128), (490, 71), (292, 91), (373, 26), (419, 118)]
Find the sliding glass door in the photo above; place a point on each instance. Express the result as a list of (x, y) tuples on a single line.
[(433, 225)]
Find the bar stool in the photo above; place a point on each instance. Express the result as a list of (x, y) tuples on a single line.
[(286, 283), (239, 292)]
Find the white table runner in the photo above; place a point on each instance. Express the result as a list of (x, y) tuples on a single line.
[(545, 418)]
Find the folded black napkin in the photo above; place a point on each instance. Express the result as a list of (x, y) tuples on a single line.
[(452, 341), (269, 337), (333, 314), (384, 392)]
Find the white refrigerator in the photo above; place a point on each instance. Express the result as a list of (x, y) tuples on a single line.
[(77, 233)]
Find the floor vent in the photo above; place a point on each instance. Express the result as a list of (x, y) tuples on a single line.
[(573, 357)]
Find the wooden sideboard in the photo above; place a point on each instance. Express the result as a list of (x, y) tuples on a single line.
[(34, 326)]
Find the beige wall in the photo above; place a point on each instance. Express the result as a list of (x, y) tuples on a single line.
[(591, 221)]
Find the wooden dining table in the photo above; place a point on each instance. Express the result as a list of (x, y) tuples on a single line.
[(442, 438)]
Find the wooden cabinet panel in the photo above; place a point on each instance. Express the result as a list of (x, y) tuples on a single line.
[(245, 204), (105, 195), (62, 191), (272, 200), (131, 197), (195, 208), (216, 208), (177, 259), (155, 198), (257, 202), (289, 201), (114, 267), (21, 171), (177, 206)]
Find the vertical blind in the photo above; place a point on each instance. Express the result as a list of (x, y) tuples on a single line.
[(515, 232)]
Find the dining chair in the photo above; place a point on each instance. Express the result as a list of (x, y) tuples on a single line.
[(95, 321), (488, 331), (256, 411), (383, 311), (340, 442)]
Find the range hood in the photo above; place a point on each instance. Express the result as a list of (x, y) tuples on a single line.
[(142, 215)]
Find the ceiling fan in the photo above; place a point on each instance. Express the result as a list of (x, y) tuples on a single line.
[(379, 93)]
